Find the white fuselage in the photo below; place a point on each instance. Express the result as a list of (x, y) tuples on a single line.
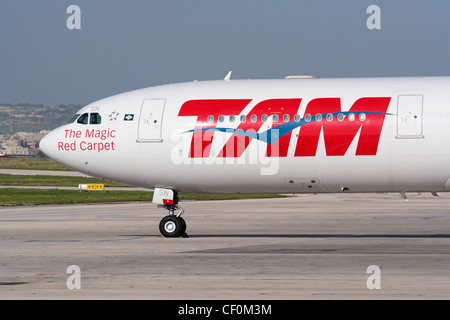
[(297, 136)]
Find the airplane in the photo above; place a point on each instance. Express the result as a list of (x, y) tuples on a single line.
[(292, 135)]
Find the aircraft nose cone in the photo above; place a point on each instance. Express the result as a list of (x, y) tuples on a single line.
[(49, 144)]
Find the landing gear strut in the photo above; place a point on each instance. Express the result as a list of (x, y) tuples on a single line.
[(173, 225)]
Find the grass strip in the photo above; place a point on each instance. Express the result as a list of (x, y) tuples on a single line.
[(19, 197), (45, 181), (31, 164)]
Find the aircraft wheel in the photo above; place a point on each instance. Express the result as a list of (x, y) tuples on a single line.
[(172, 226), (183, 226)]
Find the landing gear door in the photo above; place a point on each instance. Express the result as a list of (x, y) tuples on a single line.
[(150, 120), (163, 196)]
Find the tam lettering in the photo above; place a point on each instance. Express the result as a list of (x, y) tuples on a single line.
[(339, 128)]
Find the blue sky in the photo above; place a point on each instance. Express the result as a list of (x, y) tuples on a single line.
[(126, 45)]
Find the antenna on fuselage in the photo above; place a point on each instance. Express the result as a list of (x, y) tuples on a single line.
[(228, 76)]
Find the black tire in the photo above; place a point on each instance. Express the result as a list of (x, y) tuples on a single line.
[(172, 226), (183, 226)]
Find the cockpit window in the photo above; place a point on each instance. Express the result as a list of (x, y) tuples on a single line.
[(95, 118), (83, 119), (72, 120)]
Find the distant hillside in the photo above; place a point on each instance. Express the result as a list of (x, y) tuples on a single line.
[(34, 117)]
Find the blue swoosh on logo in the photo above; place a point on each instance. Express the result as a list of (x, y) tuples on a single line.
[(271, 135)]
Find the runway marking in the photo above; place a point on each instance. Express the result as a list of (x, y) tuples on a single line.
[(64, 241), (106, 240), (12, 283), (52, 240), (342, 236), (416, 195)]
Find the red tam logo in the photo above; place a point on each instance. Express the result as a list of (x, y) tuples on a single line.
[(322, 114)]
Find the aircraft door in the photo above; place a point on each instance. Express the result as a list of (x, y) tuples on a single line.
[(150, 120), (409, 116)]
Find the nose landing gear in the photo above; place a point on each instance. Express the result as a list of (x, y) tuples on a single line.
[(173, 225)]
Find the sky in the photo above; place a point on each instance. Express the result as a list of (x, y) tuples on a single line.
[(131, 44)]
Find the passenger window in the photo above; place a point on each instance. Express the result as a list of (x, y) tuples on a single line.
[(340, 117), (286, 118), (329, 117), (351, 117), (307, 117), (275, 118), (83, 119), (318, 117), (243, 118), (221, 118), (264, 118), (362, 117), (296, 117), (210, 119), (95, 118), (253, 118), (232, 118)]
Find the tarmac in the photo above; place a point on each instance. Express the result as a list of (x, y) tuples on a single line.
[(56, 173), (61, 173), (344, 246)]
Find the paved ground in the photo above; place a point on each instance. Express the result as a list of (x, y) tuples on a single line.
[(56, 173), (306, 247), (75, 188), (43, 173)]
